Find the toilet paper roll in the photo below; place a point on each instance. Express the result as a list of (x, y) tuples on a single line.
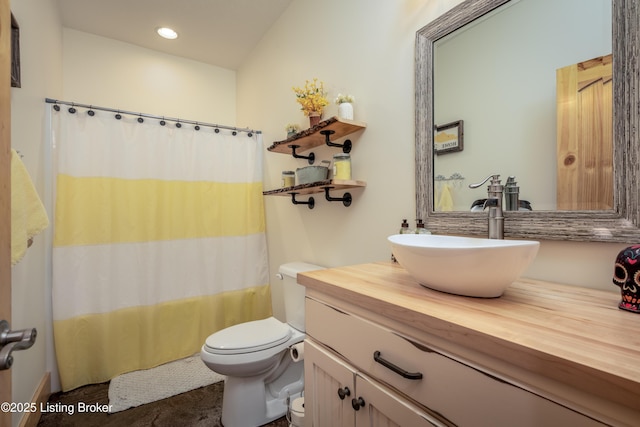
[(297, 352), (297, 412)]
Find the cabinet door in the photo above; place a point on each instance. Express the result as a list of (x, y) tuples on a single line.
[(329, 388), (379, 406)]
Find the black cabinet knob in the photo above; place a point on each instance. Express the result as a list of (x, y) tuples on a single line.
[(344, 392), (357, 403)]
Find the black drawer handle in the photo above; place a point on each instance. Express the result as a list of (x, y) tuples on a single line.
[(398, 370)]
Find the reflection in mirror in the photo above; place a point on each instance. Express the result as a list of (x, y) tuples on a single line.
[(498, 74), (617, 223)]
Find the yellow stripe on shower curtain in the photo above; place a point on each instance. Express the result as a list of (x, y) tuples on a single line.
[(94, 210), (116, 342)]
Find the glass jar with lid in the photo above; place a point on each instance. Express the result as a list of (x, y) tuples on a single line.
[(288, 178), (342, 166)]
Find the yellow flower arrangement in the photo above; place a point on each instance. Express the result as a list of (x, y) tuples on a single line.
[(312, 98)]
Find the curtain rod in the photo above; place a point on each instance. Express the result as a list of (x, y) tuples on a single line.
[(150, 116)]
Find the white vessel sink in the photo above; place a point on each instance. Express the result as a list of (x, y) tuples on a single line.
[(463, 265)]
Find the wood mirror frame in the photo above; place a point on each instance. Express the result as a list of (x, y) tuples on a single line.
[(617, 225)]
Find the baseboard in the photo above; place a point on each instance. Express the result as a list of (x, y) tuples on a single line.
[(41, 395)]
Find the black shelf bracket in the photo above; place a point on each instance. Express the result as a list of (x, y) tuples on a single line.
[(346, 146), (345, 199), (310, 158), (310, 202)]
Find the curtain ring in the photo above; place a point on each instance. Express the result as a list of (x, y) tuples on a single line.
[(162, 122), (118, 116), (178, 124), (197, 126), (91, 112), (217, 130), (72, 109), (56, 107), (140, 119)]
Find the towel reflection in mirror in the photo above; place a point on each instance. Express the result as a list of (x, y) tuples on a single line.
[(445, 190)]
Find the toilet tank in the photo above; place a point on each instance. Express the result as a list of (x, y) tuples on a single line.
[(293, 292)]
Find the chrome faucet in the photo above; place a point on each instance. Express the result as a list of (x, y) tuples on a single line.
[(494, 203)]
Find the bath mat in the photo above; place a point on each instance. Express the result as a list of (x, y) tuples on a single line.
[(139, 387)]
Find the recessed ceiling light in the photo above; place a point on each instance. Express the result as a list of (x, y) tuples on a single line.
[(167, 33)]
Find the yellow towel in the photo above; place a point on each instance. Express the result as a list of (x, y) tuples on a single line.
[(436, 198), (446, 200), (28, 216)]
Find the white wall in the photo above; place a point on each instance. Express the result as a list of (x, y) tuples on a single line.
[(110, 73), (359, 47), (41, 66), (364, 48)]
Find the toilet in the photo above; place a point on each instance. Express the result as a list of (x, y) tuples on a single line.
[(261, 376)]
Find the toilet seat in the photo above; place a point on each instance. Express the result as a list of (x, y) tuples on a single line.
[(248, 337)]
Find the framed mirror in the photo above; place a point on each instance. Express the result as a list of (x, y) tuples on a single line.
[(620, 224)]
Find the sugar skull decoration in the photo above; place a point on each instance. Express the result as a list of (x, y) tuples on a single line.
[(626, 275)]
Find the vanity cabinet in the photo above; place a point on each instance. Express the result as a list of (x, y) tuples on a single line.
[(407, 382)]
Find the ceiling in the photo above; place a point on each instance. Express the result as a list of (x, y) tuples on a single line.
[(216, 32)]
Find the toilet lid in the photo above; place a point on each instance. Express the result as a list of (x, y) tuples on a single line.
[(249, 337)]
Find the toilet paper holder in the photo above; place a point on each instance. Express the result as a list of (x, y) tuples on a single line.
[(296, 352)]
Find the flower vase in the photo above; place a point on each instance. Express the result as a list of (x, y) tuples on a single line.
[(314, 119), (345, 110)]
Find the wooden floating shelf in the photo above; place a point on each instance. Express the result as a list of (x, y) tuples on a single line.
[(325, 186), (312, 137), (316, 187)]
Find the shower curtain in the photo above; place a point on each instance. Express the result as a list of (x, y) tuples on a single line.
[(159, 240)]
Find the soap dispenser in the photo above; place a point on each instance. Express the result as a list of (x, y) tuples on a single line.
[(511, 195), (404, 228), (420, 228)]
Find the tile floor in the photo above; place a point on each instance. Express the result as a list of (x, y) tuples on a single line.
[(200, 407)]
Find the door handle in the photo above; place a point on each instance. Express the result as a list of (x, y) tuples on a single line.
[(11, 341)]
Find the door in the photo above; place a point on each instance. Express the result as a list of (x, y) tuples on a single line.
[(5, 191), (329, 388), (585, 135)]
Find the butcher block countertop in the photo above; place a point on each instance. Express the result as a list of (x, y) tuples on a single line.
[(572, 335)]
